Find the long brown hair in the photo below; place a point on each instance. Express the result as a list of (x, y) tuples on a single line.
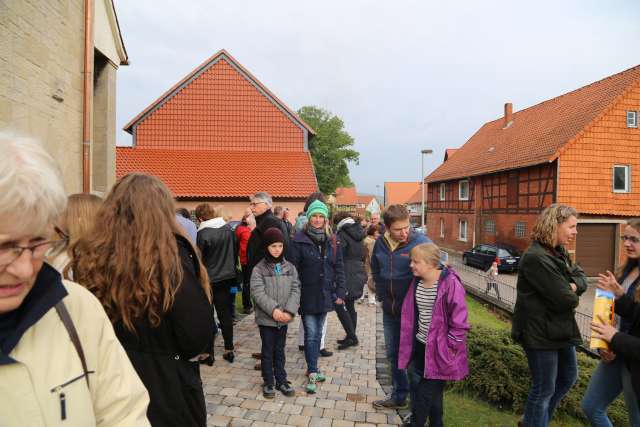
[(130, 258), (630, 263)]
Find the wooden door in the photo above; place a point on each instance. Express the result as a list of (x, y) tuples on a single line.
[(595, 247)]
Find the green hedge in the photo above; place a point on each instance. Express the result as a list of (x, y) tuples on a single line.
[(499, 374)]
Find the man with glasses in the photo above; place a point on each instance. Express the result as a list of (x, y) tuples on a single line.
[(392, 276)]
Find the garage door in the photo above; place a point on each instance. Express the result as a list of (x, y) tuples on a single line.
[(595, 247)]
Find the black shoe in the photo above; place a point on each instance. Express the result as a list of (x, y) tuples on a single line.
[(349, 342), (229, 356), (342, 341), (389, 403), (256, 356), (301, 347), (326, 353), (286, 389), (268, 392)]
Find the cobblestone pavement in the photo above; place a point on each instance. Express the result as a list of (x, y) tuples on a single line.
[(233, 391)]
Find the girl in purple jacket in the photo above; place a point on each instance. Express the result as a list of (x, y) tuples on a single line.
[(432, 333)]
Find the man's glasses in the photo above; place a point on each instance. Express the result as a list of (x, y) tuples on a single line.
[(632, 239), (39, 250)]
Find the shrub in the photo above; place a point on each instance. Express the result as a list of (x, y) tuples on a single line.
[(499, 374)]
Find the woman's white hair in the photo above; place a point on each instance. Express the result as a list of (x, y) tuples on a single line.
[(32, 194)]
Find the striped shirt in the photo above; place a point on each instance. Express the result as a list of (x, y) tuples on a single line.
[(425, 299)]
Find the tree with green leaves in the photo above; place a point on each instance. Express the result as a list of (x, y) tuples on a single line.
[(330, 148)]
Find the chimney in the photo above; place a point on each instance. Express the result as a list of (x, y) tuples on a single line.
[(508, 114)]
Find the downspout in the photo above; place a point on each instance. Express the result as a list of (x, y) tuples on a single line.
[(87, 94)]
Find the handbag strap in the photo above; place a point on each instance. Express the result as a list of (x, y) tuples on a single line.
[(61, 309)]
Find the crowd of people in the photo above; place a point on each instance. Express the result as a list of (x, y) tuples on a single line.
[(108, 308)]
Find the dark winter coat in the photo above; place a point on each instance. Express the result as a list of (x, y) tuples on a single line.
[(161, 355), (219, 247), (354, 254), (255, 247), (391, 271), (544, 314), (321, 273), (627, 345)]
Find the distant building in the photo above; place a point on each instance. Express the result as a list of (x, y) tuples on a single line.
[(348, 200), (219, 135), (579, 149)]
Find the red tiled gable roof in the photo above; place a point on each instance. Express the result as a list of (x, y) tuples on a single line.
[(219, 106), (365, 199), (399, 192), (417, 196), (346, 196), (449, 152), (537, 134), (191, 173)]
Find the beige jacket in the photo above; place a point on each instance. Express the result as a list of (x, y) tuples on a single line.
[(34, 390)]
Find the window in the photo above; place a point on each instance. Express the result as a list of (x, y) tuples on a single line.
[(520, 229), (462, 234), (442, 228), (490, 227), (443, 189), (621, 179), (632, 119), (463, 190)]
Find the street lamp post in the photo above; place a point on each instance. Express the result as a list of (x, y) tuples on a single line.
[(423, 152)]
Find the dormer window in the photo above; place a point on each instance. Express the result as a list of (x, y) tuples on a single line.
[(632, 119)]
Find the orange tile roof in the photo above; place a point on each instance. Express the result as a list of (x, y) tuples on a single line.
[(417, 196), (190, 173), (536, 134), (219, 106), (449, 152), (399, 192), (365, 199), (346, 196)]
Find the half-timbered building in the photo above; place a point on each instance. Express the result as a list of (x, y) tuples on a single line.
[(581, 149)]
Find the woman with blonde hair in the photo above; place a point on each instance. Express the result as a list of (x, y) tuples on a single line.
[(619, 368), (74, 223), (549, 285), (142, 267), (60, 361)]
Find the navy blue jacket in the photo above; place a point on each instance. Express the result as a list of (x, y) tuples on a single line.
[(391, 271), (322, 281)]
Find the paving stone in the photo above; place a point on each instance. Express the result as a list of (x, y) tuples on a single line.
[(305, 401), (262, 424), (235, 412), (290, 408), (336, 414), (325, 403), (299, 420), (345, 405), (355, 416), (376, 418), (277, 418), (320, 422), (342, 423), (251, 404), (355, 397), (394, 419), (218, 421), (256, 415), (240, 422), (312, 411)]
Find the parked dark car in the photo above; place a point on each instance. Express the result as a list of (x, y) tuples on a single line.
[(482, 256)]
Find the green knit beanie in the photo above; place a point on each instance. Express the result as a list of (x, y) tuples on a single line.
[(317, 207)]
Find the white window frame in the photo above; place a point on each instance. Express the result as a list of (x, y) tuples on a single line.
[(443, 191), (442, 228), (466, 181), (627, 181), (524, 229), (460, 236), (632, 119), (490, 230)]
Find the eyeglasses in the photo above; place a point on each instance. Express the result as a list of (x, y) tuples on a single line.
[(632, 239), (255, 203), (39, 250)]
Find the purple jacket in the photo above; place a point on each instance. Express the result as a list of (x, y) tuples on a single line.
[(445, 357)]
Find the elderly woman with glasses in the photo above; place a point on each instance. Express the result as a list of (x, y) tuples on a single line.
[(60, 361)]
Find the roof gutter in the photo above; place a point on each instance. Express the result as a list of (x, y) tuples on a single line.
[(87, 94)]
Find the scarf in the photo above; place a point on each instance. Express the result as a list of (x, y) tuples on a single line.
[(317, 235)]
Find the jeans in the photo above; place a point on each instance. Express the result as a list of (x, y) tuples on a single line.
[(301, 334), (273, 357), (222, 303), (553, 373), (426, 394), (606, 384), (313, 324), (348, 317), (399, 378)]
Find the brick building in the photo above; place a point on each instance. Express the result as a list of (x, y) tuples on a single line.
[(58, 62), (219, 136), (581, 149)]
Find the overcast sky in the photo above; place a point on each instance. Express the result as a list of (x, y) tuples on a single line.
[(403, 75)]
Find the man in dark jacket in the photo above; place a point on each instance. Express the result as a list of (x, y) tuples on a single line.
[(392, 276), (219, 248)]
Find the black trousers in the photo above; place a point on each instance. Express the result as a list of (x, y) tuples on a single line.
[(348, 317), (246, 288), (273, 358), (222, 303), (426, 394)]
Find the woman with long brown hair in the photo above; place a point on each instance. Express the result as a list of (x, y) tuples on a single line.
[(619, 368), (146, 273)]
